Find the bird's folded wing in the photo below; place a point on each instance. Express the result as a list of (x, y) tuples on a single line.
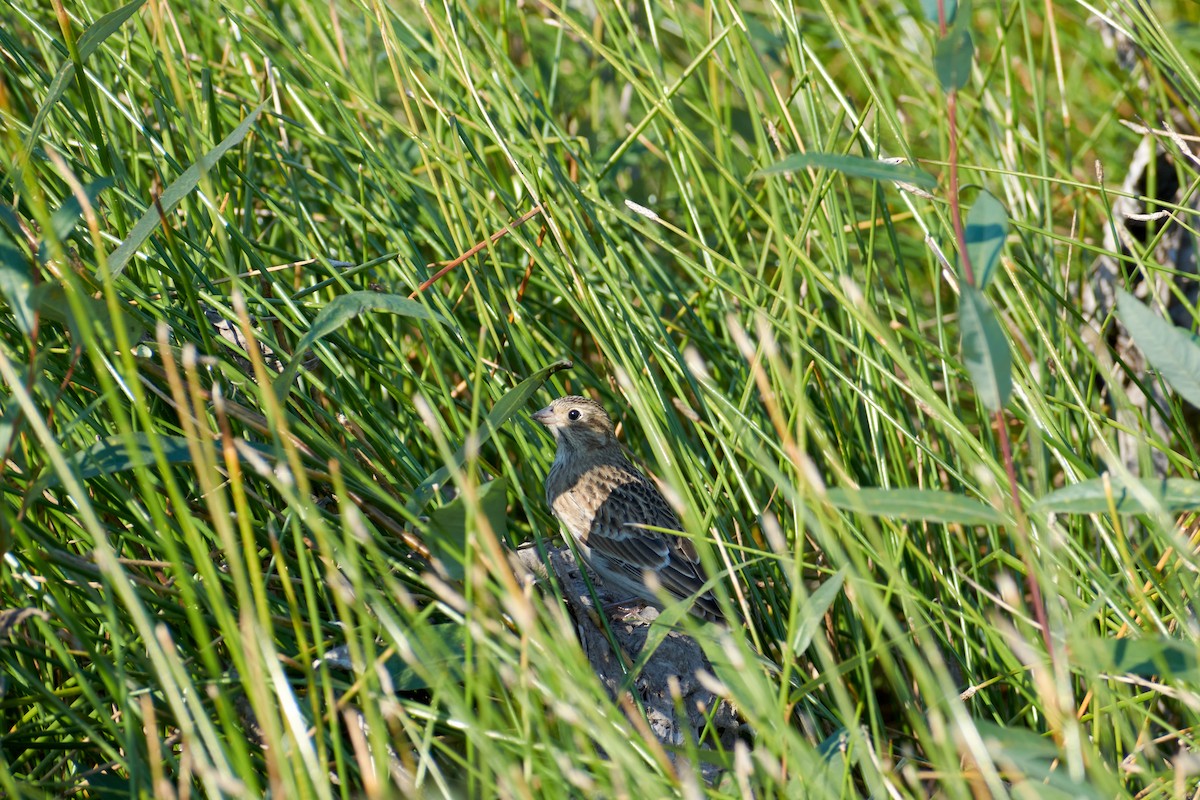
[(618, 535)]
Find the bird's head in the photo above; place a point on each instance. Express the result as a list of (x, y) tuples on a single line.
[(578, 424)]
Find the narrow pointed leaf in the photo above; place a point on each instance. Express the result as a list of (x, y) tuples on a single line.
[(930, 7), (341, 310), (1151, 657), (813, 612), (856, 166), (16, 283), (180, 188), (1172, 495), (1173, 352), (449, 522), (987, 227), (92, 38), (67, 216), (105, 27), (955, 52), (58, 87), (121, 454), (985, 350), (929, 505)]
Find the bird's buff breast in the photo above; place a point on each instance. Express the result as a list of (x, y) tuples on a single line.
[(568, 503), (575, 495), (575, 491)]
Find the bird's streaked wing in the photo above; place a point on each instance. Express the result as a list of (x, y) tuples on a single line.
[(617, 535)]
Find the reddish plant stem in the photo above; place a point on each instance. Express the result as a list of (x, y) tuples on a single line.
[(495, 237), (960, 233), (528, 271), (1033, 588)]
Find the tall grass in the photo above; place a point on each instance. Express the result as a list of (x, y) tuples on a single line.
[(222, 579)]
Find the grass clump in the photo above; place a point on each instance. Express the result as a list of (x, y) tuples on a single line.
[(283, 282)]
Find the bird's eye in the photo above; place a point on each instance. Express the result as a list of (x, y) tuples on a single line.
[(573, 414)]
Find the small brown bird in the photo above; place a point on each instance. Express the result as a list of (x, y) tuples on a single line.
[(604, 501)]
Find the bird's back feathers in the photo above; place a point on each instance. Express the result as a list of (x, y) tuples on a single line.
[(610, 508)]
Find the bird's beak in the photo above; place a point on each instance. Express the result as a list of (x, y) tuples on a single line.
[(542, 416)]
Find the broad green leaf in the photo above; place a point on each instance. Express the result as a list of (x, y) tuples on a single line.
[(668, 621), (508, 405), (10, 409), (10, 222), (105, 27), (1154, 656), (1173, 352), (856, 166), (930, 7), (931, 505), (833, 746), (438, 650), (16, 278), (118, 454), (58, 86), (447, 657), (833, 751), (1020, 744), (449, 546), (179, 189), (92, 38), (814, 610), (103, 780), (1023, 752), (50, 299), (341, 310), (1091, 497), (985, 350), (955, 52), (16, 282), (987, 227), (68, 214)]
